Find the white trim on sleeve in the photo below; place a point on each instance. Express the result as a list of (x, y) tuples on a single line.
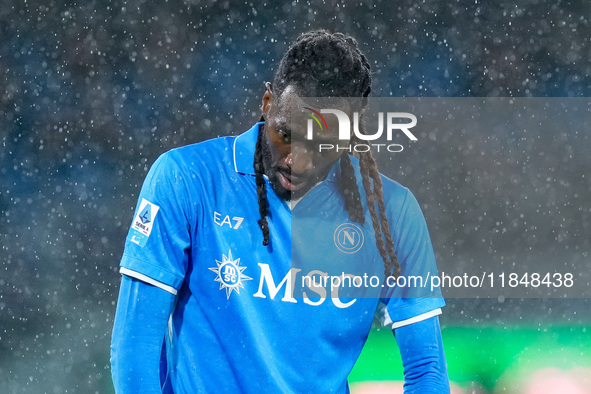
[(416, 319), (384, 317), (148, 280)]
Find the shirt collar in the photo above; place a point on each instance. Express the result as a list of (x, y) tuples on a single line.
[(244, 147)]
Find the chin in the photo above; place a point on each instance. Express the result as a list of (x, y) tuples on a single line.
[(279, 190), (285, 194)]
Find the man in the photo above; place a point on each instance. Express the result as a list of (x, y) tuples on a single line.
[(227, 230)]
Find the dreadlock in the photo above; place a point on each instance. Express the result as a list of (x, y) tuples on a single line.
[(261, 192), (309, 65)]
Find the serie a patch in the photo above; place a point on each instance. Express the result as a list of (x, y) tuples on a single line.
[(143, 222)]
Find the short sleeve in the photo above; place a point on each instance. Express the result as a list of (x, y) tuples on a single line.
[(156, 249), (414, 250)]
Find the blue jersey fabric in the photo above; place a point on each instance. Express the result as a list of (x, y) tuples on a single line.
[(143, 311), (421, 350), (243, 321), (140, 322)]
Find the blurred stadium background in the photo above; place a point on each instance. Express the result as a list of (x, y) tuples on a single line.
[(92, 92)]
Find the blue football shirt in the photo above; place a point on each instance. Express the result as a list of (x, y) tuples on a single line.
[(250, 317)]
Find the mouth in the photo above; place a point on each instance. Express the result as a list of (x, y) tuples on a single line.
[(289, 181)]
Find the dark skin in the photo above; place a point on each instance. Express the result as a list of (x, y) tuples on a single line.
[(293, 163)]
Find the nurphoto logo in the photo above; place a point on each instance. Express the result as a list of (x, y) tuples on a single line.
[(395, 122)]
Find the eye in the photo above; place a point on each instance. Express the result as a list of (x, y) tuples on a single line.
[(285, 135)]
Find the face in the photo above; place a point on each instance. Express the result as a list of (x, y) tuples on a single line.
[(293, 163)]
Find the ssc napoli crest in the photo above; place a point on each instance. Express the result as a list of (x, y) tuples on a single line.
[(229, 274), (348, 238)]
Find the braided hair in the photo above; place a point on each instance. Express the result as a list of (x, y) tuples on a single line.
[(309, 65)]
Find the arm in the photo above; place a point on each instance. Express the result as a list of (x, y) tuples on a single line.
[(141, 319), (423, 358)]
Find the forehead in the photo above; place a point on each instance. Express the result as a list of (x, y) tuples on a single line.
[(293, 112), (284, 107), (290, 100)]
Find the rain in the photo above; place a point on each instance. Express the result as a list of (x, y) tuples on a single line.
[(91, 93)]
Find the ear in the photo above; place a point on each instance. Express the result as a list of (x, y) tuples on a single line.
[(267, 97)]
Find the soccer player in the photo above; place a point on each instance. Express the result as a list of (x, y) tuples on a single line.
[(213, 296)]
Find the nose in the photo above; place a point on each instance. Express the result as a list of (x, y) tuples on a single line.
[(299, 159)]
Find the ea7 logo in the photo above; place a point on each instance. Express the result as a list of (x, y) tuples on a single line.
[(234, 223)]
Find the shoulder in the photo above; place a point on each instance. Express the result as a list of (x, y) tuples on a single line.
[(197, 158), (200, 153), (203, 162), (392, 190), (398, 198)]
